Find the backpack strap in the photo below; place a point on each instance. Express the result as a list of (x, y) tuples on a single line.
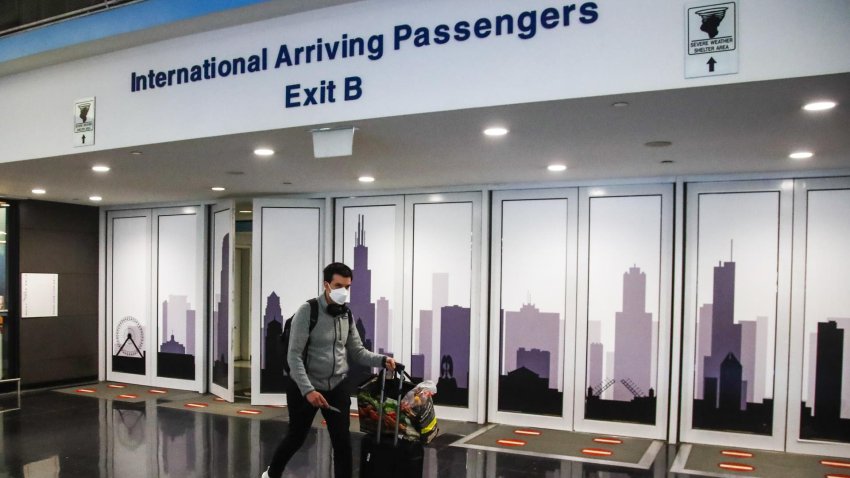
[(314, 319)]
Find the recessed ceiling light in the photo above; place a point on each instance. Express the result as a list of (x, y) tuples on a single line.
[(557, 168), (366, 179), (667, 161), (496, 131), (263, 152), (101, 169), (248, 211), (658, 144), (620, 104), (39, 191), (95, 198), (801, 155), (820, 105), (136, 153), (217, 188)]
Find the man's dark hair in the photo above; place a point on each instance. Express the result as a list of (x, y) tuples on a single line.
[(337, 268)]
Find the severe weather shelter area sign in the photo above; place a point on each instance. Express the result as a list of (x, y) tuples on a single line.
[(712, 39)]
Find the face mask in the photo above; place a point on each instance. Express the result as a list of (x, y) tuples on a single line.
[(340, 296)]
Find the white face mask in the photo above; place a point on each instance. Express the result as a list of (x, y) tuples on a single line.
[(340, 296)]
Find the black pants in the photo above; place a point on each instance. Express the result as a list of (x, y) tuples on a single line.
[(301, 415)]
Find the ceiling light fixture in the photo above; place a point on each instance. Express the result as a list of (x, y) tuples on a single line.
[(136, 153), (248, 211), (366, 179), (95, 198), (496, 131), (820, 105), (263, 152), (217, 188), (801, 155), (658, 144), (557, 168), (667, 161), (620, 104), (101, 169), (39, 191)]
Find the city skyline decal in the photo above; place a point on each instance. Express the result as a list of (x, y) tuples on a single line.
[(625, 391), (175, 359), (221, 315), (730, 364), (820, 415)]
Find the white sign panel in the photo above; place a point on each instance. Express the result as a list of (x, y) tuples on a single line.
[(39, 295), (712, 39), (84, 122)]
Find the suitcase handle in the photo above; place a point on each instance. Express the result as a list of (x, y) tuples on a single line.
[(399, 371)]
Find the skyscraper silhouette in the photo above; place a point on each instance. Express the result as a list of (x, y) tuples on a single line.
[(829, 371), (221, 326), (633, 336), (531, 328), (361, 305), (725, 333)]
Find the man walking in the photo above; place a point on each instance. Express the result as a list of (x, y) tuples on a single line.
[(317, 382)]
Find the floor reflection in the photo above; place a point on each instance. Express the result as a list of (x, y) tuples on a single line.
[(56, 435)]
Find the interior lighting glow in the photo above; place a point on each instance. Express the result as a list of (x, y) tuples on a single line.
[(608, 441), (39, 191), (496, 131), (597, 451), (263, 152), (736, 467), (505, 442), (801, 155), (533, 433), (557, 168), (101, 169), (820, 105), (366, 179), (835, 464), (736, 453), (217, 188)]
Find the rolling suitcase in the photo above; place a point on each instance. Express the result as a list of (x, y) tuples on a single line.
[(390, 459)]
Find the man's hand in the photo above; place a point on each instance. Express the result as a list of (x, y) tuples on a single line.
[(317, 399), (390, 364)]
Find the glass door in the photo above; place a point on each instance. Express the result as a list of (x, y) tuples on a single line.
[(222, 323), (532, 307), (737, 311)]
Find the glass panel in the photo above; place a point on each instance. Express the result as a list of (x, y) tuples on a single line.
[(534, 257), (825, 409), (177, 296), (369, 247), (624, 273), (17, 14), (737, 275), (130, 321), (442, 292), (289, 267), (222, 225)]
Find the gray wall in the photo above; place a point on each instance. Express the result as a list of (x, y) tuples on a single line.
[(61, 239)]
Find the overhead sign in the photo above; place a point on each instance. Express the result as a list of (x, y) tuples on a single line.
[(84, 122), (712, 47)]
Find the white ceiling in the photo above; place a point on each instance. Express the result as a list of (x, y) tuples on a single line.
[(748, 127)]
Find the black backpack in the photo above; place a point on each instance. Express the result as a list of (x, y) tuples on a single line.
[(287, 331)]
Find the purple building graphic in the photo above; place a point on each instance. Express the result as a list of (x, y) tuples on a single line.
[(825, 420), (271, 353), (454, 342), (382, 332), (221, 314), (725, 333), (174, 359), (272, 314), (362, 307), (633, 338), (531, 329), (535, 360), (594, 365), (729, 356), (426, 341)]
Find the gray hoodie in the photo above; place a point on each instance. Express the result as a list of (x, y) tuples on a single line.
[(331, 343)]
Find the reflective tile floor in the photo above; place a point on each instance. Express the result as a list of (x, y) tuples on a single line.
[(59, 435)]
